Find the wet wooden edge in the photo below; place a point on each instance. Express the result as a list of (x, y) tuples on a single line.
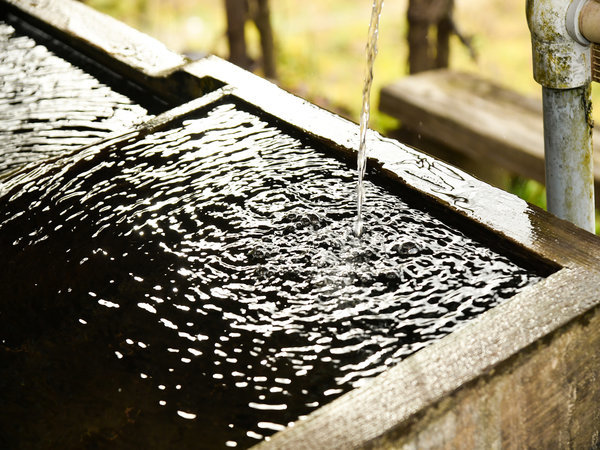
[(111, 45), (472, 115), (534, 230), (397, 397), (105, 34), (400, 397)]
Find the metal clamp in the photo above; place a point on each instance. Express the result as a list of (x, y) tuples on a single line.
[(573, 21), (583, 25)]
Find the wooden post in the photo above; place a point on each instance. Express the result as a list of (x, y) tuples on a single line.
[(236, 12), (262, 19), (419, 59), (425, 16), (445, 28)]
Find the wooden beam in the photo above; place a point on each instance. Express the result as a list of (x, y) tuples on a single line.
[(475, 118)]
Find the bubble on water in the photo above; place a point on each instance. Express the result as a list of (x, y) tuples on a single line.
[(405, 249)]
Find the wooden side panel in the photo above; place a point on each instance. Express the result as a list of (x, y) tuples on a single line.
[(545, 398)]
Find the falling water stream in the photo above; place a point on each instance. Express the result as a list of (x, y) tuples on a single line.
[(366, 112)]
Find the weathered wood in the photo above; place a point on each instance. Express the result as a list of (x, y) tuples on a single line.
[(444, 32), (475, 118), (420, 58), (238, 12), (490, 173), (543, 398), (103, 36), (428, 11)]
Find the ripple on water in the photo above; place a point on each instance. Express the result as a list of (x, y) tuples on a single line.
[(48, 106), (205, 281)]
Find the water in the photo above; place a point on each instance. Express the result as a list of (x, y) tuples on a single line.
[(201, 287), (48, 106), (366, 112)]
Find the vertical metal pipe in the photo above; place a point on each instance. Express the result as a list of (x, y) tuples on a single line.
[(562, 65), (568, 147)]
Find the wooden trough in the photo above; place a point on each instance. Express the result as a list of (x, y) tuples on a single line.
[(523, 374)]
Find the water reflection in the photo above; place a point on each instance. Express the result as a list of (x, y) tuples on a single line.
[(204, 281), (48, 106)]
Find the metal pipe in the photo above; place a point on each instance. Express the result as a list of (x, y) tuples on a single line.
[(562, 65), (559, 61), (568, 143), (589, 21)]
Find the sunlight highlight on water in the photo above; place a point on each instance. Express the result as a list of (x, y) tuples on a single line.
[(204, 280), (49, 107)]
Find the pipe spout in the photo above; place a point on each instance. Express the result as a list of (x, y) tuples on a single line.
[(589, 21)]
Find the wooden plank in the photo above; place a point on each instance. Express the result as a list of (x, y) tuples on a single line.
[(475, 118)]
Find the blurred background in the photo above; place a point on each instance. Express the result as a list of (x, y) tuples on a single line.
[(318, 47)]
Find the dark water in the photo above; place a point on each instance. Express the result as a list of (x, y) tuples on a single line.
[(202, 288), (48, 106)]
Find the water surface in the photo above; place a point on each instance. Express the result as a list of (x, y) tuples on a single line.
[(201, 287), (48, 106)]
